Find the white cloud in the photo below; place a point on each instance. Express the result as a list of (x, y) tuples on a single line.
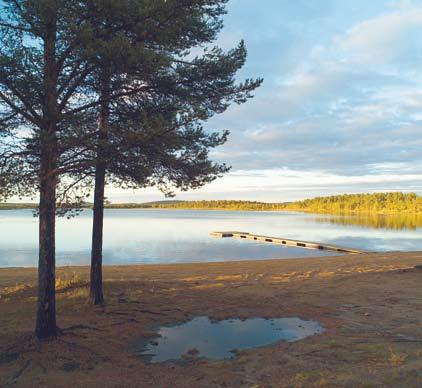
[(382, 38), (371, 49), (286, 184)]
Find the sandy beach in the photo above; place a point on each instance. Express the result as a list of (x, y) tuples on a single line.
[(369, 304)]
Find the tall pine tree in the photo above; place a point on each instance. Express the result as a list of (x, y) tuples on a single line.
[(46, 103), (51, 87), (153, 136)]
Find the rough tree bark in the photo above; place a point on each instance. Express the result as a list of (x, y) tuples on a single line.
[(96, 288), (46, 314), (96, 296)]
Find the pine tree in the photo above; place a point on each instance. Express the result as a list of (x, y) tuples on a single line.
[(35, 78), (47, 102), (153, 136), (53, 86)]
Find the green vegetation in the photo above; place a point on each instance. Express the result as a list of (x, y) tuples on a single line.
[(220, 205), (377, 203), (146, 205)]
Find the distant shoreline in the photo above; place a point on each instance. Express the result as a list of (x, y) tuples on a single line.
[(327, 213), (395, 203)]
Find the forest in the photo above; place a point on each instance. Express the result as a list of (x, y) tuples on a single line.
[(379, 203), (376, 203)]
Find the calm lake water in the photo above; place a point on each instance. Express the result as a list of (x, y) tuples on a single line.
[(174, 236)]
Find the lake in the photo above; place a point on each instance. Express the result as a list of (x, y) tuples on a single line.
[(152, 236)]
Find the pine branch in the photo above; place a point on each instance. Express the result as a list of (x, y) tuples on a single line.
[(22, 112), (77, 82), (28, 105), (63, 57), (69, 187), (16, 28), (69, 78), (115, 96), (19, 8)]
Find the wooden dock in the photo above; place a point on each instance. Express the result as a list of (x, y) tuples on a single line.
[(287, 242)]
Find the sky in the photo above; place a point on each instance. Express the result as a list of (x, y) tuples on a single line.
[(340, 110)]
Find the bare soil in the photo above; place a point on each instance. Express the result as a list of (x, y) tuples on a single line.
[(370, 305)]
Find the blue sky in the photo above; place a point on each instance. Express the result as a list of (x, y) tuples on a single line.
[(340, 109)]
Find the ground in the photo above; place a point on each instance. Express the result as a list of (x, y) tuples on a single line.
[(369, 304)]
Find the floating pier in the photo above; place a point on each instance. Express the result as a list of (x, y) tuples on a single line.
[(288, 242)]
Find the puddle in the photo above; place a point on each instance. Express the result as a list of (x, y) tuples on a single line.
[(202, 338)]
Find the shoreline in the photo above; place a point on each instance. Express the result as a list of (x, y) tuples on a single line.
[(287, 210), (295, 258), (320, 263), (289, 260)]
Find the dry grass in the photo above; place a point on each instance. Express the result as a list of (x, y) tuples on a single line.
[(63, 283), (397, 359), (370, 306), (11, 290)]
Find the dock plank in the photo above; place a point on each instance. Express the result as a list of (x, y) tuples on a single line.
[(287, 242)]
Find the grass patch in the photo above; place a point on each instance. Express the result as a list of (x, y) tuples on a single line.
[(397, 359), (12, 290), (62, 283), (65, 283), (78, 293)]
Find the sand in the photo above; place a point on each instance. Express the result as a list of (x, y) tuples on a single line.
[(369, 304)]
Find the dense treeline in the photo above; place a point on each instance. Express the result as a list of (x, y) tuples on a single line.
[(145, 205), (222, 205), (377, 203), (348, 203)]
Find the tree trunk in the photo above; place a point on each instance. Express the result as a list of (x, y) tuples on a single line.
[(46, 314), (96, 287)]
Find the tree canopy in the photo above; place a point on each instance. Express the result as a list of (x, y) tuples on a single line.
[(108, 90)]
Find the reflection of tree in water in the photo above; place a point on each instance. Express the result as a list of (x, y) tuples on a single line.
[(377, 221)]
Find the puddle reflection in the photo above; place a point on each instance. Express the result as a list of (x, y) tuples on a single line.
[(203, 338)]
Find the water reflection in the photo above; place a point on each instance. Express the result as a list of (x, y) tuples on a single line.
[(219, 340), (136, 236), (377, 221)]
